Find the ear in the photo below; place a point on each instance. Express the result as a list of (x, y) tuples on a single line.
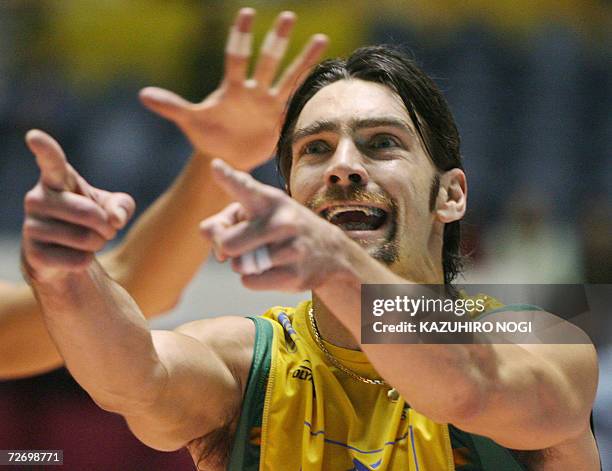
[(452, 197)]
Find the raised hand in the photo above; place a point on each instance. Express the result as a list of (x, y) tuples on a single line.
[(301, 249), (240, 121), (66, 219)]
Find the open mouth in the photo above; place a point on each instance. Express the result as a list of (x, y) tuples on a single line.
[(355, 217)]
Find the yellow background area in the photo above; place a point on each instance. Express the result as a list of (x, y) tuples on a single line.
[(98, 41)]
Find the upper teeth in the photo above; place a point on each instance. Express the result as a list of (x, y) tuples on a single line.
[(368, 210)]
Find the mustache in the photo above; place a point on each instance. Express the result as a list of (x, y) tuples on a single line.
[(352, 193)]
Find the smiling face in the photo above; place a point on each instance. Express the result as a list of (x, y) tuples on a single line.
[(358, 162)]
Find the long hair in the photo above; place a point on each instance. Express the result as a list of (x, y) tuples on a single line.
[(425, 104)]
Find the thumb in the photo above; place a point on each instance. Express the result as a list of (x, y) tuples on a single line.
[(51, 160), (118, 206), (165, 103)]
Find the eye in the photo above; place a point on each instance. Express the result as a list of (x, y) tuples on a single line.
[(314, 148), (383, 141)]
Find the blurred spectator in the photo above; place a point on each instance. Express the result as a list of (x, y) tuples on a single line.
[(527, 246), (92, 439), (596, 229)]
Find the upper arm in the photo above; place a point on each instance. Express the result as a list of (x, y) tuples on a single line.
[(537, 394), (5, 286), (206, 366)]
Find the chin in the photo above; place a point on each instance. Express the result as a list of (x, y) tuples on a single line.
[(381, 245), (385, 254), (385, 251)]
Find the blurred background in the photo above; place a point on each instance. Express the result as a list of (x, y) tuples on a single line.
[(529, 82)]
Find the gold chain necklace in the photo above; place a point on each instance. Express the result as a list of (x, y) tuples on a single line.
[(392, 394)]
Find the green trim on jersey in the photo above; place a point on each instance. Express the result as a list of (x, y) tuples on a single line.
[(471, 452), (476, 453), (482, 453), (246, 450)]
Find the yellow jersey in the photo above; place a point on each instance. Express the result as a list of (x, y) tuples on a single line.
[(301, 413)]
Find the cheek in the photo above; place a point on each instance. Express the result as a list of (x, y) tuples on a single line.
[(397, 178), (411, 191), (303, 184)]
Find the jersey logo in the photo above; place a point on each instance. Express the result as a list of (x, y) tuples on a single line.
[(303, 372)]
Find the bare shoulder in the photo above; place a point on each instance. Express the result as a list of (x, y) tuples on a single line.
[(205, 366), (219, 328), (231, 337)]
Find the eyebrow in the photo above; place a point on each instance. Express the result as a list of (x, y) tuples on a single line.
[(317, 127), (320, 126)]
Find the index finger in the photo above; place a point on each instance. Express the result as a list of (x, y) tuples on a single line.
[(255, 197), (50, 159)]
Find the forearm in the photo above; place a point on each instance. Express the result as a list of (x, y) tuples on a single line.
[(439, 380), (162, 252), (103, 338), (522, 396)]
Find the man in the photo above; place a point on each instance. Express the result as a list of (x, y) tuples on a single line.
[(237, 116), (371, 158)]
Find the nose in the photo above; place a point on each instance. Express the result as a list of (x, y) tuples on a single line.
[(346, 166)]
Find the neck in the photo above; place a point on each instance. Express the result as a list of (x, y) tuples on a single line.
[(333, 331), (423, 268)]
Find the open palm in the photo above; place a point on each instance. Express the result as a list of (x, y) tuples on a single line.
[(240, 121)]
